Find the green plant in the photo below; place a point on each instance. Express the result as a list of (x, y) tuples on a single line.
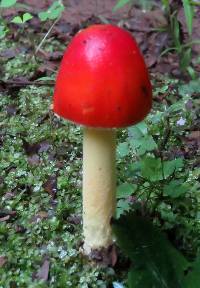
[(179, 45), (158, 184), (155, 262), (23, 19), (53, 13), (182, 48)]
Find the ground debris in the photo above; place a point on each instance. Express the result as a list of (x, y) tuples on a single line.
[(50, 186), (43, 272), (3, 260)]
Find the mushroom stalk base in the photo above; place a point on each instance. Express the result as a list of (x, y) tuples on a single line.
[(99, 187)]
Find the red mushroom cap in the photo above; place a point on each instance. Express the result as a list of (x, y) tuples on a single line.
[(103, 80)]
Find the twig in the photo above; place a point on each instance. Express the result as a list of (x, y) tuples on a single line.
[(46, 35), (26, 83)]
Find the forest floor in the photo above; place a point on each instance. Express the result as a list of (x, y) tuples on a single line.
[(41, 154)]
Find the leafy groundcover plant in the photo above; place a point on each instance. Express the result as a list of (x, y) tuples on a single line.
[(158, 208)]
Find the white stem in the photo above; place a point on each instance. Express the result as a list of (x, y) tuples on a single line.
[(99, 187)]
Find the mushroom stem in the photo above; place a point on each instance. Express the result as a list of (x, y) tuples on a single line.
[(99, 187)]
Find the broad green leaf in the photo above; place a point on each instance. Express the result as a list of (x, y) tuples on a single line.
[(142, 126), (189, 14), (175, 188), (122, 207), (151, 168), (121, 4), (124, 190), (169, 167), (139, 139), (135, 167), (123, 149), (138, 130), (156, 118), (147, 144), (141, 279), (135, 132), (192, 279), (156, 262), (189, 88), (7, 3)]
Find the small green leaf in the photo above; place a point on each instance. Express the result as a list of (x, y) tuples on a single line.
[(53, 12), (121, 4), (7, 3), (26, 17), (175, 189), (124, 190), (17, 20), (43, 16)]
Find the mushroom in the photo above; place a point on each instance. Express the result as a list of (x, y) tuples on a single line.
[(102, 84)]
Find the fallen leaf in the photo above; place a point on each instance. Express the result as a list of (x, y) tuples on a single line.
[(44, 146), (11, 110), (74, 219), (29, 148), (105, 256), (7, 215), (11, 53), (50, 186), (42, 214), (33, 160), (5, 218), (150, 60), (194, 138), (43, 272), (3, 260), (194, 135), (35, 148), (57, 55), (39, 216), (20, 229)]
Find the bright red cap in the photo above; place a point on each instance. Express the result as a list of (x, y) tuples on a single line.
[(103, 80)]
